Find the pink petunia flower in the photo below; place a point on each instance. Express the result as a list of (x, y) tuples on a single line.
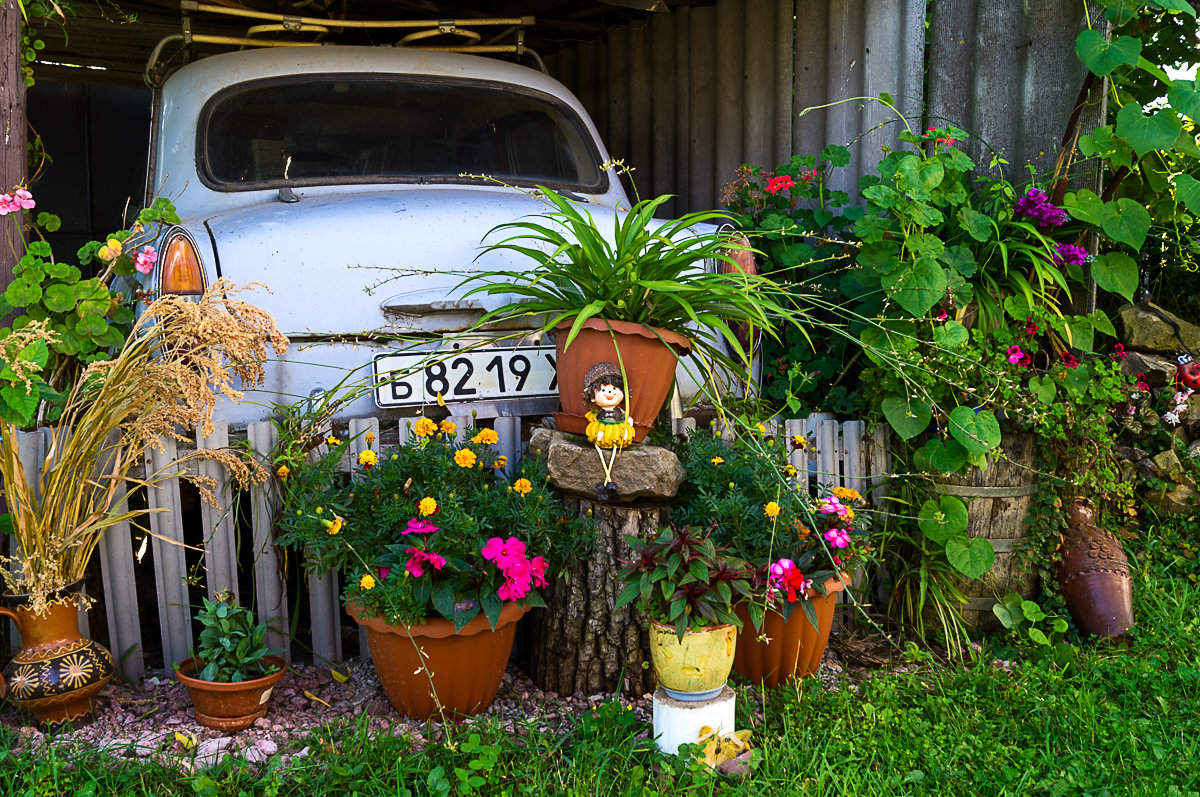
[(384, 572)]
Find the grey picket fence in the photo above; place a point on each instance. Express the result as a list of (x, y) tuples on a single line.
[(838, 453)]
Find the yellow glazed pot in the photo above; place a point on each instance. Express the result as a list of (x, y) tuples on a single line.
[(698, 667)]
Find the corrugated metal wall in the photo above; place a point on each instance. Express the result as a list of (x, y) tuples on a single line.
[(1007, 71), (689, 96)]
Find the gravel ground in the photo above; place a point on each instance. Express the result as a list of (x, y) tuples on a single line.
[(154, 719)]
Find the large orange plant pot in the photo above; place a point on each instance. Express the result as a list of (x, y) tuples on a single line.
[(647, 355), (226, 706), (432, 670), (792, 649), (58, 671)]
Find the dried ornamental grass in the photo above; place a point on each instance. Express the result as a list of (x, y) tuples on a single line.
[(163, 381)]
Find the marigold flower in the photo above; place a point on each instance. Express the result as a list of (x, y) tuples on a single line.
[(333, 526), (283, 471), (717, 460), (367, 582), (789, 470), (423, 427), (802, 531), (522, 486), (368, 459), (369, 437), (426, 506), (486, 437), (847, 494), (332, 441), (465, 458), (771, 510), (799, 441), (448, 426), (760, 430), (500, 463)]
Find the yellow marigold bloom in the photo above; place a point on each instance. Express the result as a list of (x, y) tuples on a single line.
[(522, 486), (847, 495), (464, 458), (448, 427), (486, 437), (426, 506), (368, 459), (799, 441), (500, 463), (760, 429), (332, 441), (283, 471), (849, 514), (717, 460), (333, 526), (111, 250), (771, 510), (366, 582), (424, 427), (789, 470), (369, 437)]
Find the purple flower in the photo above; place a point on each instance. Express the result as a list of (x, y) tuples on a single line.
[(1036, 205), (1069, 254)]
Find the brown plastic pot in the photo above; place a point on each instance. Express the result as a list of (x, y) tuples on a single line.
[(792, 648), (430, 669), (648, 356), (58, 671), (230, 706), (1094, 576)]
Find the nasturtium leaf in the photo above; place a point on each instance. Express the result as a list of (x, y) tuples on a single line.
[(1126, 221), (1187, 191), (1102, 56), (943, 518), (1185, 98), (49, 222), (92, 325), (909, 417), (971, 556), (1145, 133), (63, 271), (955, 160), (68, 341), (1116, 272), (59, 298), (977, 225), (1084, 205), (110, 338), (1044, 388), (916, 285), (917, 177), (950, 335), (945, 456), (977, 431), (1032, 611)]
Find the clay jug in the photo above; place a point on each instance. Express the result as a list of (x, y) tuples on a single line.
[(1094, 576)]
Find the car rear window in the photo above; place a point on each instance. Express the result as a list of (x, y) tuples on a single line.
[(361, 129)]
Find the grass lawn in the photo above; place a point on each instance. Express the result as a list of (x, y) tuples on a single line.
[(1111, 721)]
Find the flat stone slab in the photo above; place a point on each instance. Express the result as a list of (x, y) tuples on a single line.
[(641, 472)]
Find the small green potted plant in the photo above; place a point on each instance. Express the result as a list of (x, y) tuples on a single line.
[(688, 587), (231, 674), (639, 297)]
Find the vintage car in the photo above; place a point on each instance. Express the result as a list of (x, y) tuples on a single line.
[(357, 183)]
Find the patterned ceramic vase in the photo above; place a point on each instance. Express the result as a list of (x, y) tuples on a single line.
[(58, 671), (1094, 576)]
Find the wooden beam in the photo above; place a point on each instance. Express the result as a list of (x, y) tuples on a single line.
[(12, 131)]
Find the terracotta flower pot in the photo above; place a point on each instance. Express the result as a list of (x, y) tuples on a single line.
[(793, 648), (57, 671), (1094, 576), (649, 364), (422, 667), (230, 706), (696, 668)]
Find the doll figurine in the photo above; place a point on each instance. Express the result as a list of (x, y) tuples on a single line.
[(608, 426)]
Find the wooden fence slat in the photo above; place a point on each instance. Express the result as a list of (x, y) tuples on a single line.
[(170, 561), (854, 456), (324, 603), (270, 589), (827, 453), (508, 429), (220, 543), (798, 457), (359, 429), (881, 465), (120, 600), (683, 426)]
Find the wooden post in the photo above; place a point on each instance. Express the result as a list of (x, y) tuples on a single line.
[(12, 130)]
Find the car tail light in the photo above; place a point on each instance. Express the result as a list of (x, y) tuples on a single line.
[(181, 270)]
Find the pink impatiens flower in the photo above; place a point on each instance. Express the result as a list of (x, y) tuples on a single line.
[(416, 565), (831, 506), (505, 553), (417, 526), (838, 538)]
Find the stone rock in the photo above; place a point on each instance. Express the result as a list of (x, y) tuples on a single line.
[(640, 471), (1142, 330), (1129, 452), (1167, 463), (1180, 500), (1159, 371), (1194, 449)]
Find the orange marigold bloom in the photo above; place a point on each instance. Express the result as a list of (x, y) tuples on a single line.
[(802, 531), (424, 427), (368, 459), (486, 437), (522, 486), (464, 458), (448, 426), (500, 463)]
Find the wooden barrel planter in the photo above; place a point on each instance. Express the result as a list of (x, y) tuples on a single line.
[(997, 502)]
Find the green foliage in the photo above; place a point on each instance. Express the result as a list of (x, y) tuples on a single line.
[(682, 579), (232, 647), (1027, 621)]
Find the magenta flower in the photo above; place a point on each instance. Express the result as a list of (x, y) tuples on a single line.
[(942, 315), (23, 199), (1030, 327), (416, 565), (1069, 254), (838, 538), (832, 505), (1015, 354), (1069, 360), (505, 553), (780, 183), (1036, 205), (417, 526), (145, 260), (1119, 352), (537, 570), (7, 205)]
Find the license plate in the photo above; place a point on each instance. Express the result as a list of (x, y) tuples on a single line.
[(417, 378)]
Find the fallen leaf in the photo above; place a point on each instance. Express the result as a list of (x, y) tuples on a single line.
[(340, 673), (311, 696)]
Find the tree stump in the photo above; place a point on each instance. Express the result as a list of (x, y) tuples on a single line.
[(580, 643)]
